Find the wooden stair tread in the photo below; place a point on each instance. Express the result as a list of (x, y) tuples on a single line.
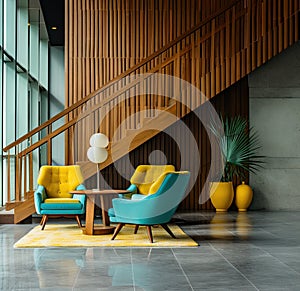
[(6, 217), (20, 210), (12, 204), (6, 212)]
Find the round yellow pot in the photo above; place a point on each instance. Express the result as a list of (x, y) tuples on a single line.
[(243, 196), (221, 195)]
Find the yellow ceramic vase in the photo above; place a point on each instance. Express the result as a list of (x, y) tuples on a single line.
[(221, 195), (243, 196)]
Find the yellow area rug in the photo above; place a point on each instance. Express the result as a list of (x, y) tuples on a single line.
[(67, 235)]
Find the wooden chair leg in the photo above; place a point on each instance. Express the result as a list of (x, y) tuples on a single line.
[(117, 230), (168, 230), (45, 218), (78, 221), (149, 233), (136, 228), (42, 220)]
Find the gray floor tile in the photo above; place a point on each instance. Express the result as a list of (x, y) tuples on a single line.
[(93, 280), (225, 279), (250, 251), (161, 283), (232, 288)]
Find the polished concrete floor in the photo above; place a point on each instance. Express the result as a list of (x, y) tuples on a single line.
[(250, 251)]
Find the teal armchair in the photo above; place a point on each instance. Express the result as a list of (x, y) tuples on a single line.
[(152, 209)]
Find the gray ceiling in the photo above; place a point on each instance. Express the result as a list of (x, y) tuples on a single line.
[(53, 11)]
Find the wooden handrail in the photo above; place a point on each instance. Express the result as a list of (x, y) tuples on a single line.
[(119, 77)]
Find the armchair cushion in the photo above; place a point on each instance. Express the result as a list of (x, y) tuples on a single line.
[(61, 200), (145, 175), (60, 180), (156, 185), (61, 206)]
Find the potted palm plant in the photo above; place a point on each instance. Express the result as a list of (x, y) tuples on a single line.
[(238, 145)]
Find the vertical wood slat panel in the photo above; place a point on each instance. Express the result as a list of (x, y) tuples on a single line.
[(296, 25), (153, 15), (285, 24), (113, 53), (280, 25), (275, 29), (85, 38), (101, 31), (270, 31)]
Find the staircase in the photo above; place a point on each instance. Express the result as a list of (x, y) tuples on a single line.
[(209, 56)]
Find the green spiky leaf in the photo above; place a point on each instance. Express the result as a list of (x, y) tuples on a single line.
[(239, 146)]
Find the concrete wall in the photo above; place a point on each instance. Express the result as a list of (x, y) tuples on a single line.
[(275, 114), (57, 100)]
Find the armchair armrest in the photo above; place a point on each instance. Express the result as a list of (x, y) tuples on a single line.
[(132, 188), (126, 207), (81, 198), (39, 196)]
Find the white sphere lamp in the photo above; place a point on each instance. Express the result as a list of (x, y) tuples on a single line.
[(97, 152)]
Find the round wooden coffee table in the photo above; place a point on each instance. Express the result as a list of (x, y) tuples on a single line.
[(90, 228)]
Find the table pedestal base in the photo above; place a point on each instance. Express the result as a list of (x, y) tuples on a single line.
[(91, 228), (100, 230)]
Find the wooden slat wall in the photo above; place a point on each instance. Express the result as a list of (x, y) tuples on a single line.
[(233, 101), (106, 37)]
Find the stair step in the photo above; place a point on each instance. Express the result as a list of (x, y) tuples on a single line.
[(12, 205), (24, 210), (19, 211), (147, 119), (6, 217), (135, 130), (149, 115), (131, 131)]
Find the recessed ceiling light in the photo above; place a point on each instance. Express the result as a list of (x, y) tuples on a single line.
[(54, 27)]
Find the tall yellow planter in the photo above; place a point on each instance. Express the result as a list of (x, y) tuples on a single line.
[(221, 195), (243, 196)]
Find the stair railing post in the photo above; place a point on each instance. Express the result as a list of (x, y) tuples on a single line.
[(17, 175), (20, 178), (30, 166), (49, 146), (25, 177), (8, 177)]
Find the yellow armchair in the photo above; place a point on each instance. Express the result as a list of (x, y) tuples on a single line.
[(144, 177), (53, 196)]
